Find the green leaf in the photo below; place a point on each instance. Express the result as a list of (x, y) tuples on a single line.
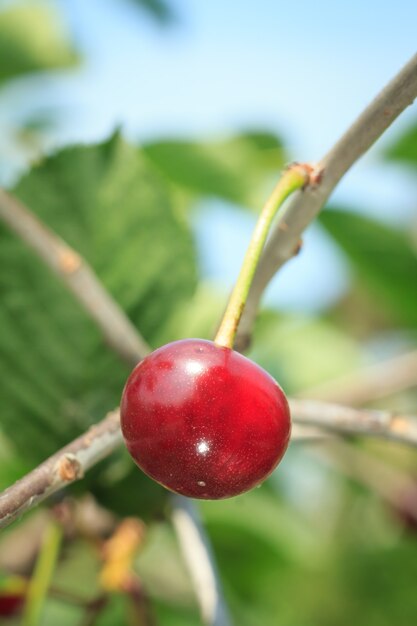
[(404, 149), (384, 573), (160, 10), (12, 465), (169, 615), (171, 583), (302, 352), (115, 612), (32, 38), (383, 258), (56, 374), (237, 169), (198, 317), (260, 548)]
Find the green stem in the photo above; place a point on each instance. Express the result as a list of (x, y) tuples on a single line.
[(42, 575), (293, 178)]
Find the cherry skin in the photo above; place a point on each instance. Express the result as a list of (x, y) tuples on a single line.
[(203, 420), (10, 604), (12, 595)]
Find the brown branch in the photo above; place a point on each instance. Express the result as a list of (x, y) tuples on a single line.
[(346, 420), (313, 420), (64, 467), (304, 206), (79, 277)]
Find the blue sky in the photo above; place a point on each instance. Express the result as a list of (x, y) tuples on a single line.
[(303, 70)]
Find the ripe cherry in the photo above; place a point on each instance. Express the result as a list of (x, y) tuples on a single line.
[(203, 420), (12, 596), (10, 604)]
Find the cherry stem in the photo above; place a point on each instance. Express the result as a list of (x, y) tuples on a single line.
[(295, 177)]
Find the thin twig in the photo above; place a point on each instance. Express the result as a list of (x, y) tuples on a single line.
[(312, 420), (117, 329), (64, 467), (199, 560), (347, 420), (304, 206)]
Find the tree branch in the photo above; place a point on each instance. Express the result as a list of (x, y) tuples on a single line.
[(64, 467), (312, 420), (284, 242), (346, 420), (79, 277)]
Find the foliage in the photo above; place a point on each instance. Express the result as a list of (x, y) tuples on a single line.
[(32, 38), (160, 10), (405, 149), (234, 169), (310, 547), (108, 204), (383, 257)]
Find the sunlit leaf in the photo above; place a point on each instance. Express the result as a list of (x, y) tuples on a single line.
[(32, 38), (238, 169), (404, 150), (160, 10), (383, 258), (302, 352), (57, 376)]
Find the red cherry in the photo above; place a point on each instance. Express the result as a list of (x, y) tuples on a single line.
[(203, 420), (10, 603)]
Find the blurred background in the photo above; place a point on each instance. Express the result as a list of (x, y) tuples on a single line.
[(148, 133)]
